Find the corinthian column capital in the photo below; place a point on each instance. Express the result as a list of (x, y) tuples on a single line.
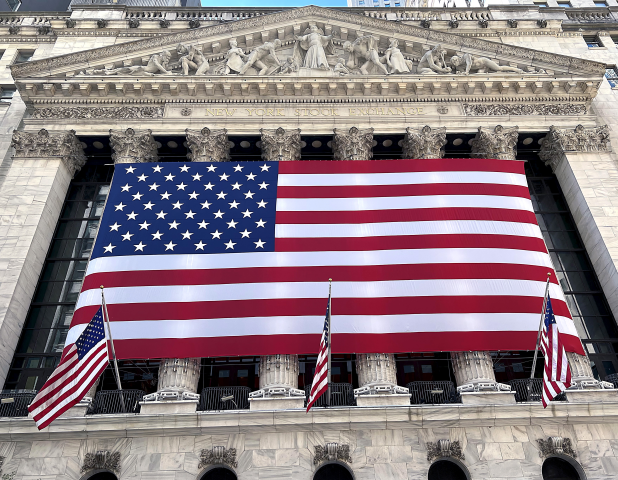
[(499, 143), (42, 144), (208, 145), (279, 145), (133, 146), (354, 144), (424, 143), (563, 140)]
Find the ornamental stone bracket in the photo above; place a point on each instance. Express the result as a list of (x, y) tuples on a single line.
[(499, 143), (133, 146), (561, 140), (332, 452), (279, 145), (424, 143), (208, 145), (218, 456), (65, 145), (354, 144), (444, 448), (101, 460), (556, 446)]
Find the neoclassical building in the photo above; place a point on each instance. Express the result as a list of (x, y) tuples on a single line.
[(106, 84)]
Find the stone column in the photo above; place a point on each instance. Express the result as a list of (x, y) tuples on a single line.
[(377, 373), (474, 372), (279, 145), (499, 143), (354, 144), (424, 143), (586, 147), (208, 145), (278, 373)]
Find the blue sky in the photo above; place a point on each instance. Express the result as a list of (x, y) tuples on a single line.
[(273, 3)]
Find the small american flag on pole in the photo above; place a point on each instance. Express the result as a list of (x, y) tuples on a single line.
[(557, 372), (321, 375), (82, 364)]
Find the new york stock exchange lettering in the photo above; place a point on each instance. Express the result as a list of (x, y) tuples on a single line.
[(430, 174)]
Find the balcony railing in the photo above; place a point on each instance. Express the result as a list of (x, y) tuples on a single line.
[(218, 398), (111, 401), (14, 403), (520, 387), (341, 395), (433, 392)]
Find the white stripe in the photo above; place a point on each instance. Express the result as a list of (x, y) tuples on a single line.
[(294, 290), (200, 328), (446, 227), (400, 203), (554, 353), (398, 178), (310, 259)]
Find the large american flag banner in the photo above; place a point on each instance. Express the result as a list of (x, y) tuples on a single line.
[(557, 372), (202, 259)]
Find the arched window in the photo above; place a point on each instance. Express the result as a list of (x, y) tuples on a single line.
[(100, 475), (333, 471), (446, 470), (219, 473), (555, 468)]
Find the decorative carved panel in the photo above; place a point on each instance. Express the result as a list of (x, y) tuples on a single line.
[(98, 112), (43, 144), (331, 452), (218, 456), (480, 109), (556, 445), (103, 459), (444, 448)]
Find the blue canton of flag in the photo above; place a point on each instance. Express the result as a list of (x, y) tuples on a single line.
[(92, 335), (175, 208)]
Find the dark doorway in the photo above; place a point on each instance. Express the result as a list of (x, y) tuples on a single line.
[(558, 469), (333, 471), (219, 474), (103, 476), (445, 470)]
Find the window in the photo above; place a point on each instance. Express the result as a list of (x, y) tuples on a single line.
[(565, 4), (14, 4), (600, 4), (592, 41), (24, 56), (6, 92), (541, 4), (611, 73)]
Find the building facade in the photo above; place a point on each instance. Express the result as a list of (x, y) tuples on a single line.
[(101, 85)]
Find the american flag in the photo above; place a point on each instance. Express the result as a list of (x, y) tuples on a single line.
[(320, 377), (557, 372), (216, 259), (81, 365)]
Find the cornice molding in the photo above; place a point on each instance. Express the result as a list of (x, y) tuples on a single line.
[(303, 14)]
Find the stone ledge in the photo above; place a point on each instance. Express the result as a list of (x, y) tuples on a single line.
[(319, 419)]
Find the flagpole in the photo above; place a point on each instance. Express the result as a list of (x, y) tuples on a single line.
[(538, 336), (111, 341), (330, 282)]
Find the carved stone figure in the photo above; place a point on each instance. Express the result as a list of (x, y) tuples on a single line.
[(207, 145), (290, 66), (499, 143), (311, 48), (464, 64), (218, 456), (101, 460), (234, 58), (395, 59), (279, 145), (340, 67), (433, 62), (158, 64), (192, 58), (43, 144), (260, 53), (426, 143), (354, 144), (133, 146), (362, 53), (581, 139)]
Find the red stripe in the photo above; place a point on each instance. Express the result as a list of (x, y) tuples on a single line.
[(394, 166), (318, 395), (407, 190), (407, 215), (342, 343), (295, 307), (397, 242), (357, 273)]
